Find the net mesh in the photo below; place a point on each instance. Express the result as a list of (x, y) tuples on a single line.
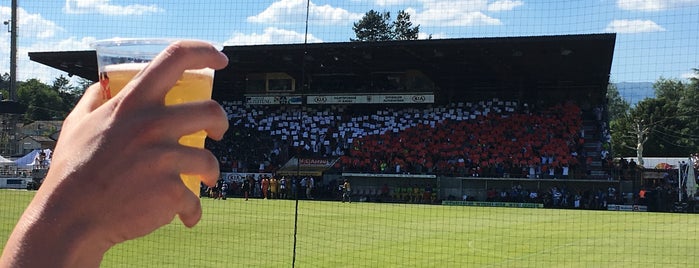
[(394, 219)]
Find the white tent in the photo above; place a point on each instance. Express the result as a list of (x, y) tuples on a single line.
[(4, 161), (29, 160)]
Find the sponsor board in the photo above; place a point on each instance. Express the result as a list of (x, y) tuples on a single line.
[(370, 99), (638, 208), (240, 176), (372, 175), (492, 204), (306, 162), (273, 100)]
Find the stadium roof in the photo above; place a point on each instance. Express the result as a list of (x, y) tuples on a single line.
[(563, 66)]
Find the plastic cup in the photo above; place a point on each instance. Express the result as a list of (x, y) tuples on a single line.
[(119, 60)]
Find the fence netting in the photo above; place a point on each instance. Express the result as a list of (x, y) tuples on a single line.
[(350, 146)]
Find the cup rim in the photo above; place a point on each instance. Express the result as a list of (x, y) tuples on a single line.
[(120, 41), (117, 42)]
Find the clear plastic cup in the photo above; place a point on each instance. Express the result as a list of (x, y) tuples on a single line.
[(119, 60)]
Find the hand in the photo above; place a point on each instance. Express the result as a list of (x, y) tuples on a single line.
[(115, 174)]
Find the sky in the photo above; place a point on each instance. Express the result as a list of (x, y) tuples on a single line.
[(655, 38)]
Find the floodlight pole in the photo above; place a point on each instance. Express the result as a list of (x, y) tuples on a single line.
[(13, 53), (12, 28)]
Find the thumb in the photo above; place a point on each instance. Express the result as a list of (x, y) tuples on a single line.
[(91, 99)]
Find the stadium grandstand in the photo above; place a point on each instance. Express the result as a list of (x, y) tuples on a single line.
[(417, 133), (463, 115)]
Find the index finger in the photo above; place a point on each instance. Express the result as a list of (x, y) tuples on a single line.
[(163, 72)]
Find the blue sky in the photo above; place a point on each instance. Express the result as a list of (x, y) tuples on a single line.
[(656, 38)]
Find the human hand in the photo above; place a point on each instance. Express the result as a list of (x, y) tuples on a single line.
[(116, 173)]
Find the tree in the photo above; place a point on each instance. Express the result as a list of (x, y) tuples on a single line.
[(695, 80), (375, 26), (617, 106), (677, 133), (668, 88), (623, 136), (42, 102), (69, 93), (83, 84), (662, 126), (61, 84), (619, 123), (403, 28), (4, 86)]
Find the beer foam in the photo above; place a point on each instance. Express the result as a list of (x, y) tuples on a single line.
[(137, 67)]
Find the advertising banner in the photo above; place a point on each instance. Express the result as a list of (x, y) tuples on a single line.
[(370, 99)]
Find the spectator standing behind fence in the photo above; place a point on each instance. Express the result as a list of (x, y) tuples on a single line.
[(273, 187), (224, 190), (346, 191), (632, 168), (310, 184), (246, 188), (64, 227), (265, 187), (282, 187), (303, 185)]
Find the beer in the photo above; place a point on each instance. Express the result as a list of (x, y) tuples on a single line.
[(194, 85)]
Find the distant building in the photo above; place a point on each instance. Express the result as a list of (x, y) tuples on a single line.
[(30, 143), (18, 139)]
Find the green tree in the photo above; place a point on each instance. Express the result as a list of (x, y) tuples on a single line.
[(617, 106), (668, 88), (661, 126), (678, 135), (403, 28), (689, 115), (375, 26), (69, 93), (623, 143), (83, 84), (61, 84), (5, 86), (695, 80), (624, 138), (664, 123), (42, 102)]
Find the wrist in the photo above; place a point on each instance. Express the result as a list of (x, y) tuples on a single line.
[(48, 235)]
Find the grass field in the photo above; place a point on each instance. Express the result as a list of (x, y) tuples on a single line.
[(260, 233)]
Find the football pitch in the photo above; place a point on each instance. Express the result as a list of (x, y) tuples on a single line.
[(260, 233)]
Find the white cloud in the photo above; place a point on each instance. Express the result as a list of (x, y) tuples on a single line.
[(36, 34), (27, 69), (433, 35), (504, 5), (427, 13), (633, 26), (391, 2), (104, 7), (453, 17), (294, 11), (689, 75), (271, 35), (653, 5), (459, 13), (69, 44), (32, 25)]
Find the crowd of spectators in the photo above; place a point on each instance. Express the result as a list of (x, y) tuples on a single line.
[(496, 138), (558, 196)]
